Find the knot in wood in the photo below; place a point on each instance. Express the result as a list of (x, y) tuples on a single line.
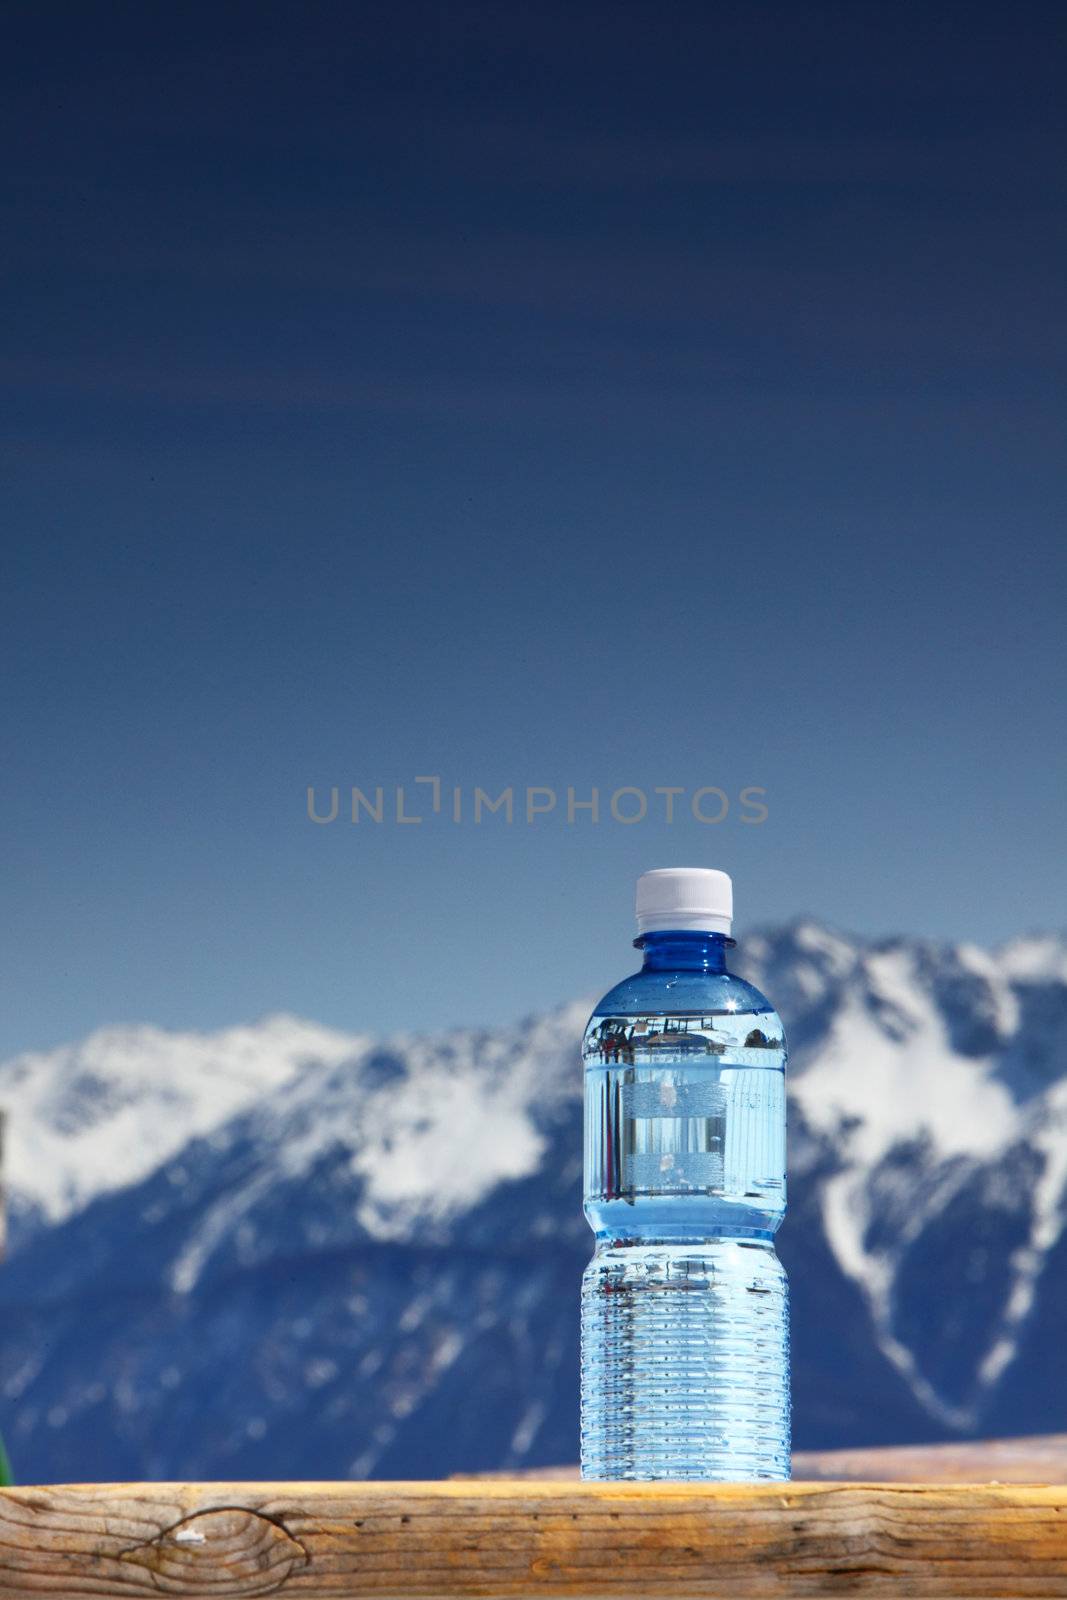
[(228, 1551)]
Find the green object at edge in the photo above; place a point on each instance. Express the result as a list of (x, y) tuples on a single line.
[(5, 1467)]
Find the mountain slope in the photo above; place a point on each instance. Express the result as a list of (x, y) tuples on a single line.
[(285, 1251)]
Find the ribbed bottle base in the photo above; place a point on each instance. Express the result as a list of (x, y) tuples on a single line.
[(685, 1363)]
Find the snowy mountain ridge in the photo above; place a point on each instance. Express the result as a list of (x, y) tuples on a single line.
[(103, 1113), (888, 1073), (928, 1175)]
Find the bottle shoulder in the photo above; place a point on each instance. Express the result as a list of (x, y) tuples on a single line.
[(663, 992)]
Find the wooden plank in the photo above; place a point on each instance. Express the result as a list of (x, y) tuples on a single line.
[(1028, 1460), (536, 1539), (1036, 1459)]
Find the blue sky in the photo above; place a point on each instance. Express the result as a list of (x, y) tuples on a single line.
[(585, 396)]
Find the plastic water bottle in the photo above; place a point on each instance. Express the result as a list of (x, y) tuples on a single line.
[(685, 1321)]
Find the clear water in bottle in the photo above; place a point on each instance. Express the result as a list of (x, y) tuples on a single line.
[(685, 1343)]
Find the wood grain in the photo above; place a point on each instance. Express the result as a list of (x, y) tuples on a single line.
[(537, 1539)]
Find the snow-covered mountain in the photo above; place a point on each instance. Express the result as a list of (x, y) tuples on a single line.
[(281, 1250)]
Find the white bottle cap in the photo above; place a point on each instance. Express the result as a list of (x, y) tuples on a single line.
[(685, 897)]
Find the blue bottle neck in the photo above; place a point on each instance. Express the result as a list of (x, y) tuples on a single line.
[(684, 950)]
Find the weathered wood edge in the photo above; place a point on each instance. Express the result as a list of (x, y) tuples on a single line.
[(514, 1537)]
